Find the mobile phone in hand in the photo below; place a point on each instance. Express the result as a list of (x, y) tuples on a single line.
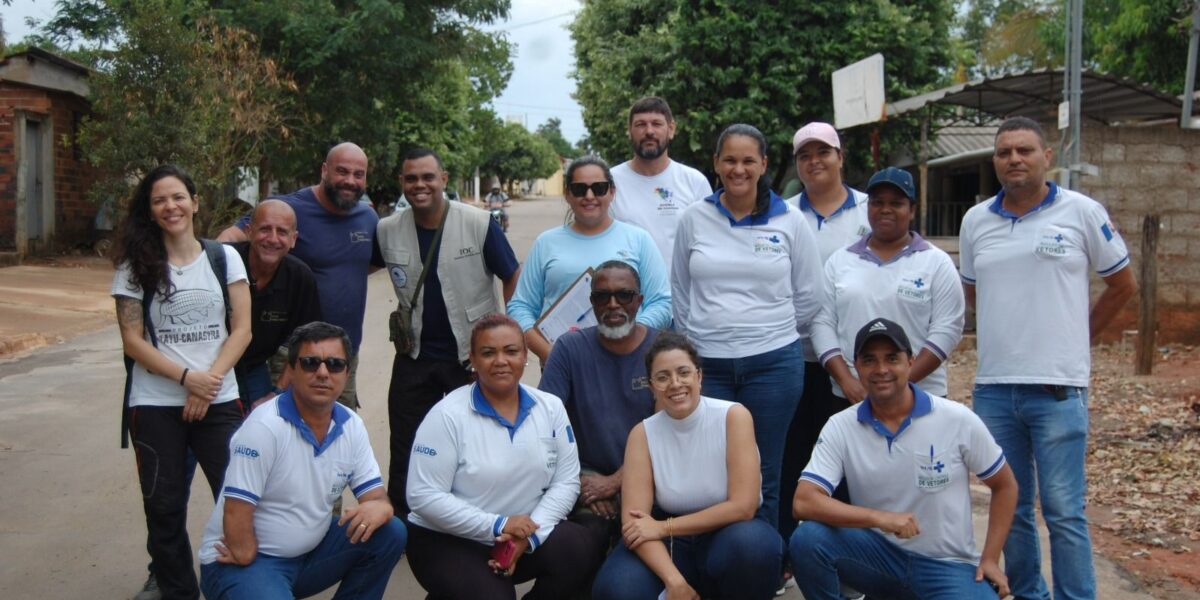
[(503, 553)]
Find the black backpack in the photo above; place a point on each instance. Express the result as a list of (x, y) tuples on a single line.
[(216, 259)]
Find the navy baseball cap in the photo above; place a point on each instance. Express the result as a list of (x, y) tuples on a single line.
[(881, 328), (897, 177)]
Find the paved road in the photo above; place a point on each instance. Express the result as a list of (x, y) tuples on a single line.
[(71, 523)]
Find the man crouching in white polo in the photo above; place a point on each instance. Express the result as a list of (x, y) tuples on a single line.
[(906, 456), (271, 535)]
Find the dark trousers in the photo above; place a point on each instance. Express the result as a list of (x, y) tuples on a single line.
[(453, 568), (816, 406), (416, 386), (161, 442)]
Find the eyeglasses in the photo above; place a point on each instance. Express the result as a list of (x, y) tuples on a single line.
[(310, 364), (598, 188), (624, 297), (662, 379)]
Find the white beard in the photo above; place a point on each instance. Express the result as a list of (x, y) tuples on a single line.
[(618, 332)]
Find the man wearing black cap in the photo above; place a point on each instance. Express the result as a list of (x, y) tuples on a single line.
[(907, 456)]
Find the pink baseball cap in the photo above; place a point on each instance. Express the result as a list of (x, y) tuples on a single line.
[(816, 132)]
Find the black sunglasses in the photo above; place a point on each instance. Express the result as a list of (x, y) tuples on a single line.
[(310, 364), (598, 188), (624, 297)]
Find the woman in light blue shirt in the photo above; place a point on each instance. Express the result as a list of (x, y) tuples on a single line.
[(560, 255)]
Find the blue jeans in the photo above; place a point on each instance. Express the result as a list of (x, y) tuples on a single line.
[(769, 386), (254, 383), (1044, 439), (741, 560), (824, 557), (363, 569)]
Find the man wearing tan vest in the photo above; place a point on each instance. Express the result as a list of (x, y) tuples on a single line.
[(463, 250)]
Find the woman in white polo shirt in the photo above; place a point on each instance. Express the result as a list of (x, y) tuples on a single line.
[(895, 274), (690, 487), (492, 476), (746, 280)]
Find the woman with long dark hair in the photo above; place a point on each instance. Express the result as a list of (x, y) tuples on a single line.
[(746, 280), (181, 393)]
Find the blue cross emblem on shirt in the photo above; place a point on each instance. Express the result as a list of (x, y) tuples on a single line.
[(1058, 238), (939, 466), (919, 283)]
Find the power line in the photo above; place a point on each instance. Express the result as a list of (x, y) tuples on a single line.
[(537, 21)]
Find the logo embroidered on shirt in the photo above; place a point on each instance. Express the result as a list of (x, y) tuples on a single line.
[(426, 450), (768, 244), (247, 451)]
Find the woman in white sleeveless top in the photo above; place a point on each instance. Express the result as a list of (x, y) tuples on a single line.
[(689, 492)]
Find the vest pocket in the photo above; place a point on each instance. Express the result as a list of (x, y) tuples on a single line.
[(480, 310)]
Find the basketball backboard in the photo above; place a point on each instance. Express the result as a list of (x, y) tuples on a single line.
[(858, 93)]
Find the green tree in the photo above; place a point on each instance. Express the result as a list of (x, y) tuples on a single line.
[(1143, 40), (386, 74), (551, 131), (515, 154), (200, 96), (757, 61)]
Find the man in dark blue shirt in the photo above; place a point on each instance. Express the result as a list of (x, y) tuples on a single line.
[(600, 374), (336, 240)]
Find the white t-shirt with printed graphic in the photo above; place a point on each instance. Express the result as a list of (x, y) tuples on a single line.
[(189, 325), (654, 203), (1031, 278)]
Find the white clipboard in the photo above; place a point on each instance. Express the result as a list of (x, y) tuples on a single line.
[(572, 310)]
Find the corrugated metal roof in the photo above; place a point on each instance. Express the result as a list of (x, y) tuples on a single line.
[(1037, 93), (951, 141)]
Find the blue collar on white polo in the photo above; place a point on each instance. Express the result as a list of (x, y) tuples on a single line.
[(288, 412), (997, 205), (775, 208), (922, 406), (847, 205), (525, 404)]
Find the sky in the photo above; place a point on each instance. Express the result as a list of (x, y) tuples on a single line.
[(540, 87)]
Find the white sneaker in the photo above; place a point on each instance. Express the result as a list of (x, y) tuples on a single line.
[(787, 582)]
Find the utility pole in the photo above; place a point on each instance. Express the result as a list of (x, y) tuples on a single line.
[(1189, 87), (1072, 93)]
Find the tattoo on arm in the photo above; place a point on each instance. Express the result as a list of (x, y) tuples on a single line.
[(129, 314)]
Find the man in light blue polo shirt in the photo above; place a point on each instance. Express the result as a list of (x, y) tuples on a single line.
[(271, 535), (907, 457), (1025, 257)]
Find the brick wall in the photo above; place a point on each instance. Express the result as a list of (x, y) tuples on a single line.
[(1152, 170), (72, 177)]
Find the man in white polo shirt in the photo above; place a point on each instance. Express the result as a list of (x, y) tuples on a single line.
[(907, 457), (1024, 258), (271, 534), (652, 189)]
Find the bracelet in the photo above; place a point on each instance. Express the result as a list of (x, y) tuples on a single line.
[(670, 537), (183, 377)]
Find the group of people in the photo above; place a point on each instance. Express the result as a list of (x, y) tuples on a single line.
[(756, 362)]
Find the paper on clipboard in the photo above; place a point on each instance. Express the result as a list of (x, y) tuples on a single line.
[(572, 310)]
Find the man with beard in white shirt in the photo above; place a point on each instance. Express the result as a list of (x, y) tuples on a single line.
[(652, 189)]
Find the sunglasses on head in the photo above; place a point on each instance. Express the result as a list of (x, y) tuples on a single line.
[(310, 364), (598, 188), (624, 297)]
